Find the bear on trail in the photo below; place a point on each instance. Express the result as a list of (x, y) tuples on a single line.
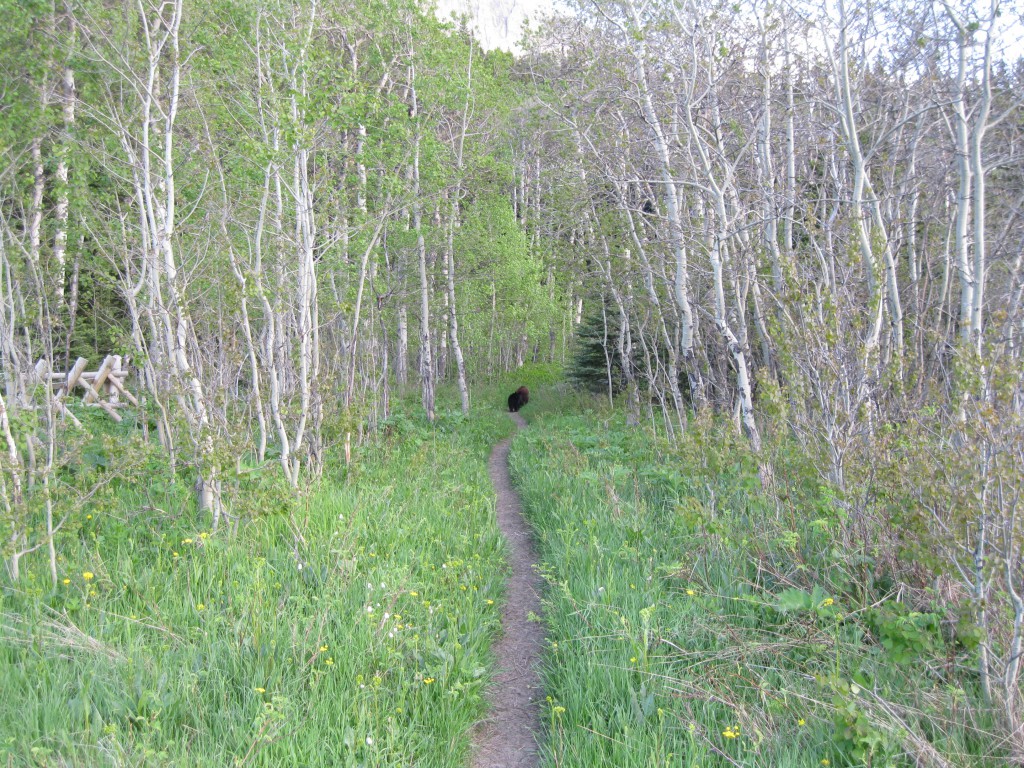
[(518, 399)]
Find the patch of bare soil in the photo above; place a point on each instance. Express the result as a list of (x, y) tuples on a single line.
[(508, 737)]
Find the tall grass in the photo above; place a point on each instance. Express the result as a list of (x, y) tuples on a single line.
[(350, 629), (693, 621)]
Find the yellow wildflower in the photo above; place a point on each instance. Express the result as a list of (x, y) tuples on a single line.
[(330, 661), (428, 680), (801, 721), (260, 690), (67, 581), (690, 592), (200, 607), (87, 575), (323, 648)]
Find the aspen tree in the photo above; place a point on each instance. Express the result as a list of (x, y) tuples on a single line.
[(426, 336)]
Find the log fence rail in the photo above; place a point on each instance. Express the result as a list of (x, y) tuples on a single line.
[(104, 387)]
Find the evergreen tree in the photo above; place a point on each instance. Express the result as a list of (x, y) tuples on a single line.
[(596, 362)]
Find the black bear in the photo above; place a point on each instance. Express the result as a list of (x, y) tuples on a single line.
[(518, 399)]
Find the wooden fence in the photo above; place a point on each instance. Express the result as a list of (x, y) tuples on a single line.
[(104, 388)]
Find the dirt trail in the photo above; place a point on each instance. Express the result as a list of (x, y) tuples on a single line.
[(508, 737)]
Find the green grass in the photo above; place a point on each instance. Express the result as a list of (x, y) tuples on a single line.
[(353, 630), (692, 621)]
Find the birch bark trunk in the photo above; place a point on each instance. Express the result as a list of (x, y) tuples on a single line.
[(978, 172), (62, 206), (717, 247), (426, 340), (675, 223), (456, 201)]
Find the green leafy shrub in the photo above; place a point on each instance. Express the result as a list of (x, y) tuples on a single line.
[(907, 636)]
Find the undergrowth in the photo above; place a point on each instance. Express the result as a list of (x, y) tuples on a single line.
[(349, 626), (695, 621), (692, 620)]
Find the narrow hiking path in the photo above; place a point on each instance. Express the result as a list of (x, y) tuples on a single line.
[(508, 737)]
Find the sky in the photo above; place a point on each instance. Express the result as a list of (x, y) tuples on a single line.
[(499, 23)]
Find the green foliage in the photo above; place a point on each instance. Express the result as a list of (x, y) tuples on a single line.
[(596, 364), (816, 601), (501, 294), (908, 636), (690, 615), (351, 628), (858, 736)]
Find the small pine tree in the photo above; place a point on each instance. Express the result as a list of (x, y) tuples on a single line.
[(596, 349)]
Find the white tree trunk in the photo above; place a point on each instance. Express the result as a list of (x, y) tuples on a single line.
[(675, 223), (426, 340)]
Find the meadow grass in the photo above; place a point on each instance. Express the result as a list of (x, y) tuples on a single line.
[(691, 619), (694, 621), (352, 627)]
